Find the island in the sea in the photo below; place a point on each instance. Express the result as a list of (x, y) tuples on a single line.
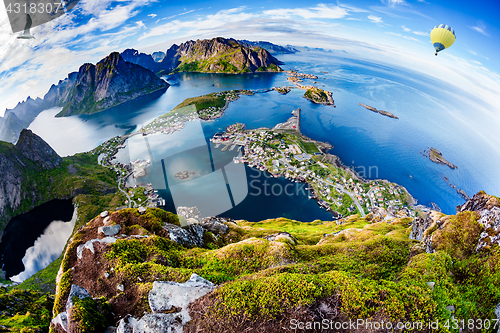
[(382, 112), (314, 94), (437, 157)]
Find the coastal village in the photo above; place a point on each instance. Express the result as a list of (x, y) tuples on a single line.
[(134, 196), (284, 152)]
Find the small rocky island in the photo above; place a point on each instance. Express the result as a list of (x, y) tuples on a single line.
[(382, 112), (283, 90), (437, 157), (314, 94), (319, 96)]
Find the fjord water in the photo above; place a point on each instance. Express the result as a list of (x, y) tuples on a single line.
[(35, 239), (431, 115)]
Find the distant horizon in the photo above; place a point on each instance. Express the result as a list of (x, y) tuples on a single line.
[(395, 32)]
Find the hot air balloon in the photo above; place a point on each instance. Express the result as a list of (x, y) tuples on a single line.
[(442, 37)]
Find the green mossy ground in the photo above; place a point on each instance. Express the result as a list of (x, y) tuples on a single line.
[(203, 102), (25, 311), (373, 269)]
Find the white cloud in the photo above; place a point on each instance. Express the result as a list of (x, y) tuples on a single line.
[(394, 2), (375, 19), (420, 33), (403, 36), (321, 11), (152, 15), (480, 27), (140, 24)]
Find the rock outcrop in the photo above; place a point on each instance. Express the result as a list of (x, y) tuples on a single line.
[(30, 153), (477, 223), (93, 88), (218, 55), (110, 82)]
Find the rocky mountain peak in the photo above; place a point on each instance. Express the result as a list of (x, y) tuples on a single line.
[(479, 202), (110, 82), (35, 149)]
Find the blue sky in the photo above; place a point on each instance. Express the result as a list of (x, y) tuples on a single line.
[(390, 31)]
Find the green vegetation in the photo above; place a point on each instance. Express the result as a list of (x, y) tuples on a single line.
[(230, 61), (316, 95), (25, 310), (91, 315), (79, 173), (204, 102), (44, 280), (371, 269), (310, 147)]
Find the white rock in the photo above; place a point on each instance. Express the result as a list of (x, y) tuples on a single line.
[(126, 325), (109, 230), (77, 291), (104, 214), (192, 221), (106, 275), (168, 295), (61, 320), (159, 322), (90, 245), (107, 220), (107, 240)]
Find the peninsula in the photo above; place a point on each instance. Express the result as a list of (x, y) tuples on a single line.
[(382, 112), (437, 157), (284, 152)]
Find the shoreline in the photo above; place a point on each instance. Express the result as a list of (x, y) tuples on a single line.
[(323, 147), (334, 160)]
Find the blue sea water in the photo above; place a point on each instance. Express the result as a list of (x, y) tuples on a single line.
[(430, 115)]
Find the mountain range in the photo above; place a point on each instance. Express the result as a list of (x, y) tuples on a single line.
[(119, 78), (217, 55)]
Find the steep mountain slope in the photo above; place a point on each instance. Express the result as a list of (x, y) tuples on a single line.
[(224, 55), (158, 56), (110, 82), (30, 153), (217, 55), (10, 127), (271, 274), (33, 173)]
